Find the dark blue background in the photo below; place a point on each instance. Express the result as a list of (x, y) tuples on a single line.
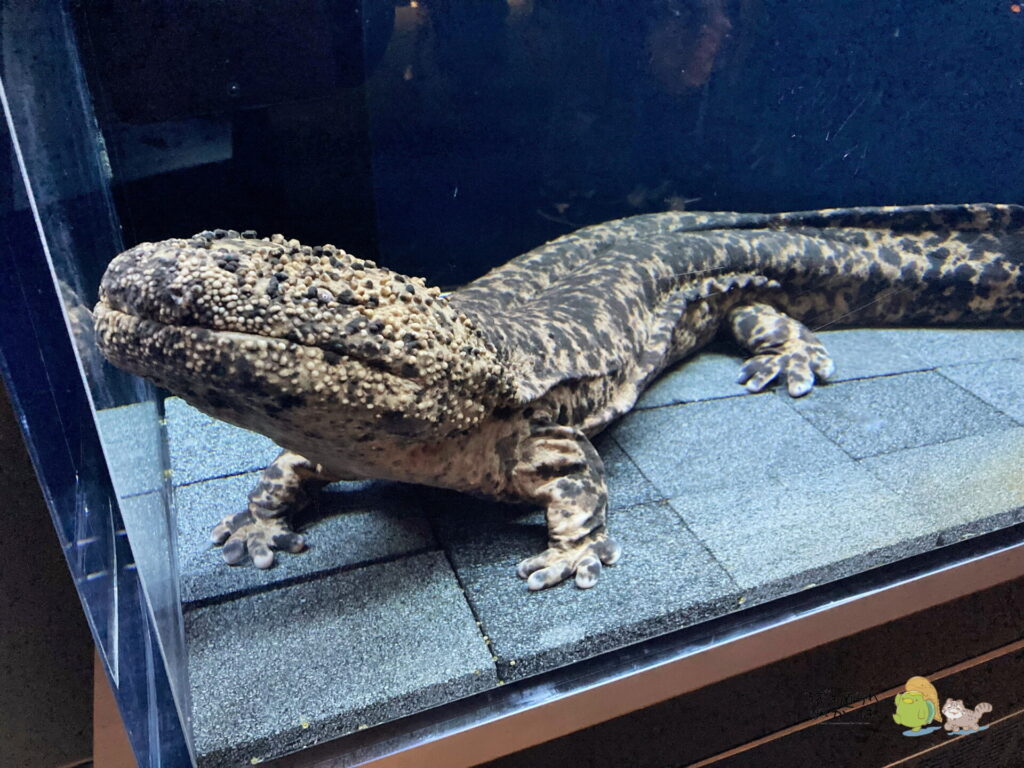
[(469, 131)]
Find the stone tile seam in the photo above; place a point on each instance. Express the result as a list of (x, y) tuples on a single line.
[(666, 501), (837, 382), (944, 441), (301, 578), (778, 388), (638, 470), (676, 403), (703, 545), (916, 355), (789, 404), (974, 394), (881, 555), (906, 496), (821, 575), (877, 557), (137, 494), (478, 618), (236, 473), (867, 377), (981, 361)]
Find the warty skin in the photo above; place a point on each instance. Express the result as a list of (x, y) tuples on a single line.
[(359, 372)]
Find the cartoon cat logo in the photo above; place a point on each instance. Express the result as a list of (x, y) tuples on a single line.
[(960, 719), (917, 706)]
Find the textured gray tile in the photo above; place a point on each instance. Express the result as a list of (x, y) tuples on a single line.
[(803, 526), (664, 580), (858, 353), (202, 447), (739, 440), (353, 523), (707, 375), (874, 416), (626, 484), (999, 383), (131, 437), (962, 482), (864, 353), (942, 346), (288, 668)]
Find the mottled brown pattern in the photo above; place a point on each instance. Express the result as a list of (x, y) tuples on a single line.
[(782, 347), (284, 489), (497, 388)]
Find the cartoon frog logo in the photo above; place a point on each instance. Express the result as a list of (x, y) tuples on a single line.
[(917, 706)]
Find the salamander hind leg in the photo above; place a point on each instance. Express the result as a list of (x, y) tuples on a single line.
[(285, 487), (559, 469), (782, 347)]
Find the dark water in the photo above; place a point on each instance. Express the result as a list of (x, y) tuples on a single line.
[(445, 137)]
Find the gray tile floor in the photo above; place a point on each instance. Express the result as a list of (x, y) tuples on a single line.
[(407, 597)]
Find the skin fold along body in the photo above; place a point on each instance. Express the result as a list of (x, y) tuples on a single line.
[(360, 372)]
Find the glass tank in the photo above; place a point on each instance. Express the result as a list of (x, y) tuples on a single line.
[(437, 139)]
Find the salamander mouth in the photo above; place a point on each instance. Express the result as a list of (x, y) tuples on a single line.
[(244, 378), (138, 327), (154, 349), (246, 290), (236, 323)]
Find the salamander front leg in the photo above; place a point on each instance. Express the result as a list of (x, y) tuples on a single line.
[(285, 487), (782, 347), (559, 469)]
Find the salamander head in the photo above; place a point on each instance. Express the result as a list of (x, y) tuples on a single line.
[(258, 331)]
